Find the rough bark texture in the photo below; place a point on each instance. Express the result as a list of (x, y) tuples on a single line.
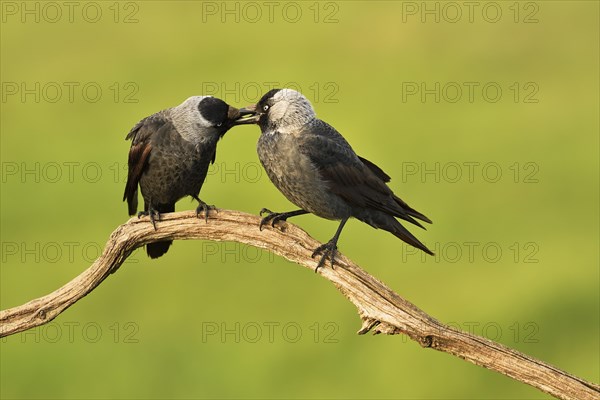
[(381, 310)]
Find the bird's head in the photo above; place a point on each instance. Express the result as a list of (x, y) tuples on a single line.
[(282, 110), (207, 116)]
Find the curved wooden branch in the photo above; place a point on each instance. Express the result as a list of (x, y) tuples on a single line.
[(380, 309)]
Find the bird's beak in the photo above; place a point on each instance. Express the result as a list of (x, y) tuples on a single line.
[(246, 115), (250, 114)]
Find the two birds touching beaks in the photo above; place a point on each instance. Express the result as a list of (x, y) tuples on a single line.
[(306, 159)]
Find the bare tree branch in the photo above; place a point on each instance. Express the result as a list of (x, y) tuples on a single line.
[(381, 310)]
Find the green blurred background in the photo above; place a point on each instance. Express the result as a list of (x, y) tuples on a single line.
[(518, 257)]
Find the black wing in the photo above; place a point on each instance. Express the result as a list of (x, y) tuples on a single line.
[(376, 170), (141, 146), (357, 180)]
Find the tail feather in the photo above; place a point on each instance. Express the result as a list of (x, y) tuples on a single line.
[(411, 211), (407, 217), (387, 222), (402, 233), (157, 249)]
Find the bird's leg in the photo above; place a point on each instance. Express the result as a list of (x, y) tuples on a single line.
[(152, 213), (202, 206), (329, 248), (276, 217)]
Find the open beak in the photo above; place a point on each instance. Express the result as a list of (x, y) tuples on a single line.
[(246, 115)]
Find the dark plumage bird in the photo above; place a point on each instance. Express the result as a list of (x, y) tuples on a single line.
[(170, 154), (316, 169)]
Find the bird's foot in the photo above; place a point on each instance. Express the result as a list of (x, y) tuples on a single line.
[(272, 217), (328, 249), (153, 214), (203, 207)]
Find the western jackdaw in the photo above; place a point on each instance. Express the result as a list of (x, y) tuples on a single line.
[(170, 154), (316, 169)]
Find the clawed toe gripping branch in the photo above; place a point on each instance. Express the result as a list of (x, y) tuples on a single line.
[(204, 208), (153, 214), (381, 310)]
